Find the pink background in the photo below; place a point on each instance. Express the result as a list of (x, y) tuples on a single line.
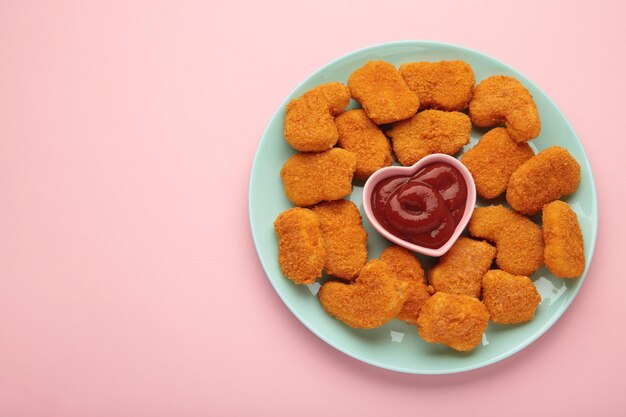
[(129, 284)]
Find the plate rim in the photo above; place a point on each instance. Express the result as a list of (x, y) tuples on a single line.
[(535, 335)]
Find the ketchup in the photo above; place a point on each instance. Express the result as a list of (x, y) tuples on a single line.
[(423, 209)]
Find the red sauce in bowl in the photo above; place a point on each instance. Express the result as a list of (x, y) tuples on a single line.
[(423, 209)]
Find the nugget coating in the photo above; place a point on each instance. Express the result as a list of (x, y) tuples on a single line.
[(309, 124), (345, 239), (361, 136), (408, 268), (547, 176), (564, 254), (443, 85), (461, 269), (504, 100), (313, 177), (519, 242), (373, 299), (510, 299), (428, 132), (301, 253), (380, 89), (493, 160), (455, 320)]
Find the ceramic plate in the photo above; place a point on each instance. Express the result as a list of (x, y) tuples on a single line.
[(396, 345)]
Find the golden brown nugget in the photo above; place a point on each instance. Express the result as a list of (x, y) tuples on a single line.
[(518, 240), (301, 253), (359, 135), (443, 85), (564, 254), (408, 268), (547, 176), (428, 132), (313, 177), (455, 320), (380, 89), (510, 299), (309, 124), (493, 160), (345, 239), (373, 299), (461, 269), (504, 100)]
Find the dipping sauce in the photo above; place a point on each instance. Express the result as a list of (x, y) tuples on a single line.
[(423, 209)]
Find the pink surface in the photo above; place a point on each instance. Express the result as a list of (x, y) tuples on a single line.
[(129, 284)]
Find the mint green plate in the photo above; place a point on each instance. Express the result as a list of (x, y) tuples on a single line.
[(397, 346)]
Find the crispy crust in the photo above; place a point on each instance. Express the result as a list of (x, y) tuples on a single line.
[(504, 100), (382, 92), (408, 268), (547, 176), (310, 178), (564, 254), (518, 240), (309, 124), (443, 85), (345, 239), (493, 160), (428, 132), (373, 299), (461, 270), (510, 299), (455, 320), (301, 253), (361, 136)]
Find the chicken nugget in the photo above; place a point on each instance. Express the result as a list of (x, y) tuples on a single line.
[(408, 268), (518, 240), (301, 253), (493, 160), (345, 239), (428, 132), (504, 100), (461, 269), (309, 124), (359, 135), (564, 254), (510, 299), (443, 85), (313, 177), (547, 176), (380, 89), (456, 320), (374, 298)]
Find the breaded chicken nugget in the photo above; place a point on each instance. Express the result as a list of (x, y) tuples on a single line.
[(455, 320), (510, 299), (443, 85), (301, 252), (518, 240), (504, 100), (461, 269), (359, 135), (345, 239), (309, 124), (382, 92), (564, 254), (373, 299), (313, 177), (547, 176), (428, 132), (408, 268), (493, 160)]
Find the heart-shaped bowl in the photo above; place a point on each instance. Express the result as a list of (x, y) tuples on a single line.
[(390, 171)]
